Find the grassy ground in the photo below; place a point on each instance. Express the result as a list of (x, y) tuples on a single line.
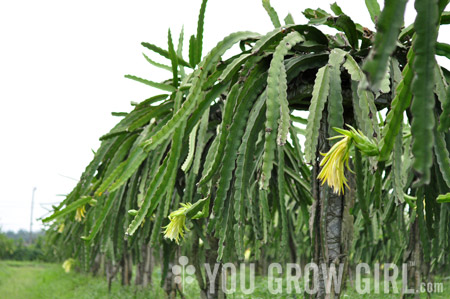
[(39, 280)]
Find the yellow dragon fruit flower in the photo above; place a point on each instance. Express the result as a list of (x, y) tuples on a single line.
[(79, 215), (247, 254), (67, 265), (177, 226), (61, 228), (336, 159), (333, 164)]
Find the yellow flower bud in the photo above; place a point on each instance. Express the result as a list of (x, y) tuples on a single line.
[(334, 160), (80, 213), (333, 165), (175, 229), (67, 265)]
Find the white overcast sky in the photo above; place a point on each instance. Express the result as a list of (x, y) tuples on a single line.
[(61, 75)]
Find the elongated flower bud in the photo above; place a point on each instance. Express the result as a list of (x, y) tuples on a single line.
[(333, 165), (336, 159), (61, 228), (68, 264), (175, 229), (79, 215)]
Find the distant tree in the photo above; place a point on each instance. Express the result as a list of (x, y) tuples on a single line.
[(7, 247)]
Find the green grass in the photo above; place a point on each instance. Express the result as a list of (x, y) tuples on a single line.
[(31, 280)]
